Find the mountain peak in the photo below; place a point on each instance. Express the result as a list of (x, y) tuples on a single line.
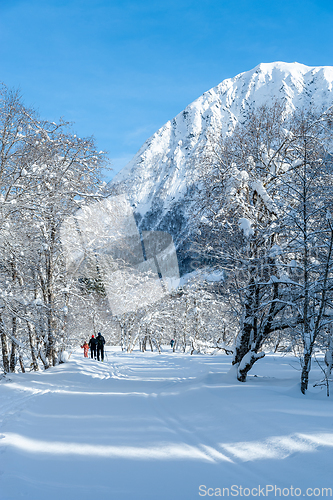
[(158, 179), (285, 67)]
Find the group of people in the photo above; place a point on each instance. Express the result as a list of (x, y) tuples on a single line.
[(96, 346)]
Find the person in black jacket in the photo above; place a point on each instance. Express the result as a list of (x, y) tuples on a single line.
[(100, 346), (92, 345)]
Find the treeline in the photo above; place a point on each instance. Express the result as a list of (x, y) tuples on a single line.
[(46, 174), (264, 222)]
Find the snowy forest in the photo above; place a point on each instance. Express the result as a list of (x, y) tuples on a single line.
[(262, 258)]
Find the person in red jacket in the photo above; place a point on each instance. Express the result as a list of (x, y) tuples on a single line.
[(85, 346)]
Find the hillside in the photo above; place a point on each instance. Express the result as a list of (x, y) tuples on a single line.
[(159, 180)]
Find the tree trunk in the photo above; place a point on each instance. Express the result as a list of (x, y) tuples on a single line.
[(21, 364), (4, 346), (246, 364), (32, 349), (305, 372), (43, 359), (245, 337), (50, 347), (242, 343), (13, 350)]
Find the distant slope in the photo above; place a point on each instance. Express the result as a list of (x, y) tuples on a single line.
[(158, 181)]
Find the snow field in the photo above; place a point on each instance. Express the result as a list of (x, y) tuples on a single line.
[(157, 427)]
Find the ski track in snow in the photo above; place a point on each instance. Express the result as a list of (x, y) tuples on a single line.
[(150, 426)]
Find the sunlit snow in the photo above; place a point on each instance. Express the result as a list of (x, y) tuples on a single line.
[(157, 427)]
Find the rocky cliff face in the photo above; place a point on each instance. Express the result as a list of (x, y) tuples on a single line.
[(158, 181)]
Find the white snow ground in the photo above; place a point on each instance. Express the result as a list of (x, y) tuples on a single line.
[(157, 427)]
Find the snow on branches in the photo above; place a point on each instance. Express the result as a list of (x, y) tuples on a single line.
[(266, 192)]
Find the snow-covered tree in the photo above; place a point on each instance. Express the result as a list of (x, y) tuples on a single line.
[(245, 223), (308, 243), (46, 174)]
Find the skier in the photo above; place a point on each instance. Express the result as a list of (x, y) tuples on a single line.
[(100, 346), (172, 343), (85, 346), (92, 345)]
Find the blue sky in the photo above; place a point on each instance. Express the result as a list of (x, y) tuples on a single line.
[(120, 69)]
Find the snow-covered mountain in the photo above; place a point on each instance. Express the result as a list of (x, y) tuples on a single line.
[(158, 181)]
